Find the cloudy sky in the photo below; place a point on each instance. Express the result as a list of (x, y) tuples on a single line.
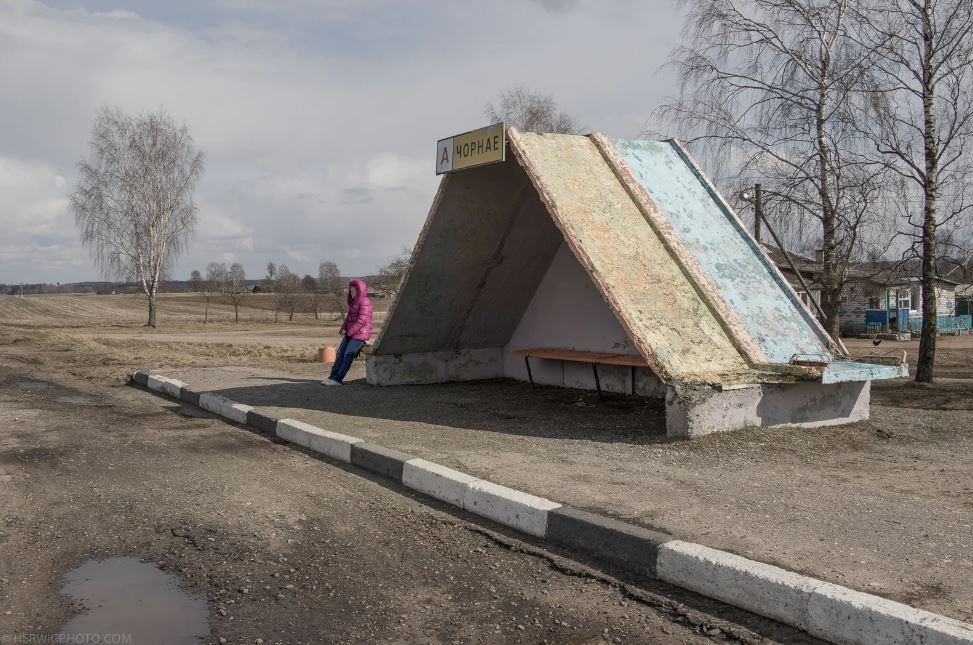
[(318, 118)]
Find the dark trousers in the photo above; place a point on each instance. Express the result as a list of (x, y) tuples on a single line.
[(347, 351)]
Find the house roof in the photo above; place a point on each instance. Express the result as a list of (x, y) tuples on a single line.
[(884, 273)]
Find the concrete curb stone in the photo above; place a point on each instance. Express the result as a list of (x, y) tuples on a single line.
[(445, 484), (187, 395), (380, 459), (510, 507), (261, 422), (236, 412), (212, 402), (295, 431), (331, 444), (172, 387), (821, 608), (155, 383), (630, 546)]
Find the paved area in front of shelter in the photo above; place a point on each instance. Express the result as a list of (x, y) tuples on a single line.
[(884, 506)]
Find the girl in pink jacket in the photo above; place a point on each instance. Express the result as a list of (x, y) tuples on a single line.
[(356, 329)]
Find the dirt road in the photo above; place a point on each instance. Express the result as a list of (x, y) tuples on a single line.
[(282, 546)]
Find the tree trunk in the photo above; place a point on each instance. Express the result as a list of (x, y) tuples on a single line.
[(152, 293), (830, 285), (930, 327), (236, 312), (206, 312)]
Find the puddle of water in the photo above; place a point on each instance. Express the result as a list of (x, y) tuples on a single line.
[(130, 601)]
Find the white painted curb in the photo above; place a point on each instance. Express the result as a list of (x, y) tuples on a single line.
[(334, 445), (522, 511), (156, 383), (848, 616), (235, 411), (212, 402), (822, 609), (171, 387), (445, 484), (164, 384)]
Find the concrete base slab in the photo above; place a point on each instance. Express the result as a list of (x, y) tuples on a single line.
[(692, 412), (434, 367)]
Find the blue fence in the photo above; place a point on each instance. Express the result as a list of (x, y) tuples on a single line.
[(946, 324)]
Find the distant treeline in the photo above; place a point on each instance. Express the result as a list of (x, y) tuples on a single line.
[(108, 288), (169, 286)]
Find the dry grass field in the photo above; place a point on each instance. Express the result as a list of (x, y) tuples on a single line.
[(110, 330)]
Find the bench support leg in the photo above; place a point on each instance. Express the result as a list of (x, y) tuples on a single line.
[(530, 376), (594, 367), (633, 380)]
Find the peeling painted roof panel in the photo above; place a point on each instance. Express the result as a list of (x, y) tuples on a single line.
[(649, 293), (726, 253), (843, 371)]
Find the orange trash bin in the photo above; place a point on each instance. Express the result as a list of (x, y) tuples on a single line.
[(327, 354)]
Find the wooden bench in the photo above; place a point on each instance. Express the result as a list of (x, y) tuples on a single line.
[(593, 358)]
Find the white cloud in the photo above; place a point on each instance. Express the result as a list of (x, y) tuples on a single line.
[(317, 118)]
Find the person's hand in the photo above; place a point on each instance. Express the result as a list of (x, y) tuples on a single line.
[(342, 332)]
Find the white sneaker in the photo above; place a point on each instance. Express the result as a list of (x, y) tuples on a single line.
[(329, 382)]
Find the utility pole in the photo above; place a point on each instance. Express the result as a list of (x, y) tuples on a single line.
[(758, 210)]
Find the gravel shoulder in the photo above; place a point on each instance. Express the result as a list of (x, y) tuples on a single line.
[(283, 546), (884, 506)]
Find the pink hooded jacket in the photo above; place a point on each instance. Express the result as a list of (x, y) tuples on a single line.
[(358, 322)]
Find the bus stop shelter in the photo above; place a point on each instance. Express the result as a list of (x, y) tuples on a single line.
[(596, 263)]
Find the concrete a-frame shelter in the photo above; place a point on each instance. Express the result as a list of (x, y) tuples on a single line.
[(590, 244)]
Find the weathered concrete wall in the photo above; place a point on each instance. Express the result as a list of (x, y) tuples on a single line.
[(568, 312), (643, 285), (434, 367), (484, 248), (699, 411)]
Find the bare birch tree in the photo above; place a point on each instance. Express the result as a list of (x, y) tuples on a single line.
[(390, 275), (329, 277), (920, 100), (214, 284), (134, 198), (766, 93), (530, 111), (236, 288), (286, 289)]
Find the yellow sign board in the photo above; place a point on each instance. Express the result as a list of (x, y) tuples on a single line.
[(470, 149)]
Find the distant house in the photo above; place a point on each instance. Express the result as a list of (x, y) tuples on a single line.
[(890, 300), (878, 297), (962, 273)]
